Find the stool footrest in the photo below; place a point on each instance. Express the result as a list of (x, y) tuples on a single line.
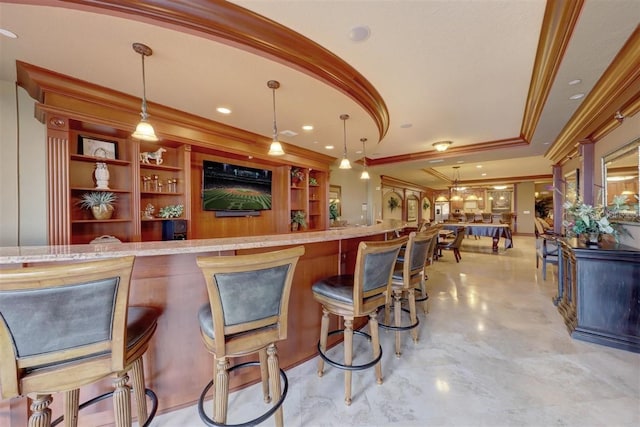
[(349, 367), (399, 328), (150, 393), (208, 421)]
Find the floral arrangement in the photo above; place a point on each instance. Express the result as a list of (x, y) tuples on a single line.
[(171, 211), (586, 219), (297, 175)]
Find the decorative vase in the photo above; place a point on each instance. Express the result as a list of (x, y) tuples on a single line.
[(102, 211), (102, 176), (294, 226), (593, 238)]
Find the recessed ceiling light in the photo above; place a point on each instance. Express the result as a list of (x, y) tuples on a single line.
[(307, 127), (223, 110), (484, 174), (359, 33), (288, 133), (460, 161), (406, 125), (329, 147), (9, 34), (479, 166), (436, 161), (574, 82), (577, 96), (546, 143)]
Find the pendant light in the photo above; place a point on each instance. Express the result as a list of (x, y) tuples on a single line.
[(365, 174), (276, 148), (344, 163), (144, 130)]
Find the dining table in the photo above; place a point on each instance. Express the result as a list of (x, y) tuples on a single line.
[(495, 231)]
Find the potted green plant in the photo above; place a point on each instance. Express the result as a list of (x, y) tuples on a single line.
[(393, 203), (100, 203), (171, 211), (298, 219)]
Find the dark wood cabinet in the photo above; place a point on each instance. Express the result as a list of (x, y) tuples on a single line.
[(599, 293)]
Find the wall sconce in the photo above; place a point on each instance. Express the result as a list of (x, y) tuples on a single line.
[(275, 149), (144, 130)]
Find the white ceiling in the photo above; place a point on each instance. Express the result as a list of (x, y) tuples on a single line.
[(453, 70)]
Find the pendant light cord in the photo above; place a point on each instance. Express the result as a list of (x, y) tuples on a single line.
[(144, 92), (275, 127)]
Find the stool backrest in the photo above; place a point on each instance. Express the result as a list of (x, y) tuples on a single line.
[(50, 315), (373, 273), (434, 241), (249, 292), (416, 256)]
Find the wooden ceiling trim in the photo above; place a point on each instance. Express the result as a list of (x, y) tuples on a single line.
[(391, 182), (451, 152), (617, 86), (231, 24), (629, 110), (559, 22), (84, 101)]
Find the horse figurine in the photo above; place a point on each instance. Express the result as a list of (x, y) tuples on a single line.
[(145, 156)]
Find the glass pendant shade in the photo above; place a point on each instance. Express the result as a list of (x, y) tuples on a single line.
[(344, 164), (365, 175), (145, 132), (276, 149)]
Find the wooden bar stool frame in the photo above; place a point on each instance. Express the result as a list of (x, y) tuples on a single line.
[(239, 335), (364, 300), (66, 362), (407, 277)]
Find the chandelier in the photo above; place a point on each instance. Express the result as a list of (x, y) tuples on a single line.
[(456, 189)]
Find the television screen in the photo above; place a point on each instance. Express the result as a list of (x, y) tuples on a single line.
[(228, 187)]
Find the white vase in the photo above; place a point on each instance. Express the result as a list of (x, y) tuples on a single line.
[(102, 176)]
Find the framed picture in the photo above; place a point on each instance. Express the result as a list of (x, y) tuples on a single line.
[(100, 148), (412, 209)]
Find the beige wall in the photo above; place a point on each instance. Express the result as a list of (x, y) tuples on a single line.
[(525, 207), (23, 212), (356, 192)]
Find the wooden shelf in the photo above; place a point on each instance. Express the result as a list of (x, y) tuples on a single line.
[(113, 190), (92, 159), (153, 166), (91, 221)]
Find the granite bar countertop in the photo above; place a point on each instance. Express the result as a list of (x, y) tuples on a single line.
[(27, 254)]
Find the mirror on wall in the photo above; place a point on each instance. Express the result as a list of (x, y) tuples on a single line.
[(335, 204), (621, 177)]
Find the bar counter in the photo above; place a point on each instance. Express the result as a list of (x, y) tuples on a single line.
[(165, 276)]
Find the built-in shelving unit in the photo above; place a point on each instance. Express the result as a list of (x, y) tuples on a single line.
[(71, 108)]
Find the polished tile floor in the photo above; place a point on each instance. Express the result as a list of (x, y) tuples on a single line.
[(492, 351)]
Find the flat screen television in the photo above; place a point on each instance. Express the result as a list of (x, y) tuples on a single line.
[(229, 187)]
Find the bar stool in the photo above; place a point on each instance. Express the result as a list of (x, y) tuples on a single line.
[(431, 257), (357, 295), (66, 326), (247, 313), (407, 276)]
